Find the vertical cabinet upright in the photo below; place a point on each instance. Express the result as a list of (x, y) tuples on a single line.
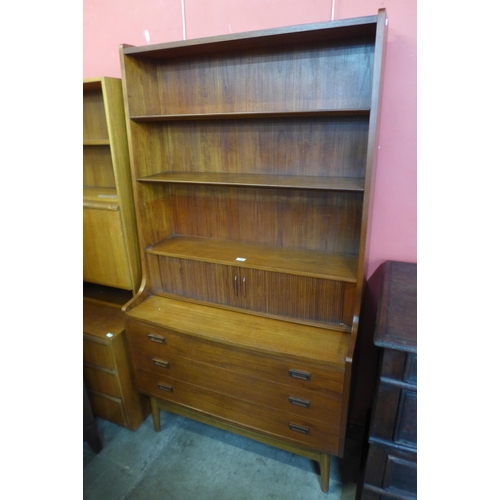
[(252, 159)]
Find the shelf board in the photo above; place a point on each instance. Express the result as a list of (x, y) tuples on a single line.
[(311, 263), (264, 39), (100, 198), (96, 142), (252, 115), (259, 180)]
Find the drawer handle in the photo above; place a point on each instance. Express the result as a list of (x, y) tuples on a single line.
[(299, 374), (299, 428), (157, 338), (159, 362), (299, 402), (165, 387)]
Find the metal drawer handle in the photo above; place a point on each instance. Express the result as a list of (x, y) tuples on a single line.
[(157, 338), (299, 402), (298, 428), (165, 387), (299, 374), (159, 362)]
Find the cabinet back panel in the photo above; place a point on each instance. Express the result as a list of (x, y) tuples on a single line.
[(314, 220), (324, 76), (94, 116), (98, 167), (305, 146)]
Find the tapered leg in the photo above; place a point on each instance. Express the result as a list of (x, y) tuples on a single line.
[(324, 466), (155, 411)]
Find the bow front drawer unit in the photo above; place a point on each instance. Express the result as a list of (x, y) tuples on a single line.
[(251, 160)]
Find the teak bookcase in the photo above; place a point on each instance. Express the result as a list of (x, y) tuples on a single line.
[(111, 251), (111, 260), (252, 161)]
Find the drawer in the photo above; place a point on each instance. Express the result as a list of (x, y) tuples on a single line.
[(395, 415), (294, 400), (148, 342), (108, 407), (392, 471), (279, 424), (101, 380), (98, 354), (399, 366)]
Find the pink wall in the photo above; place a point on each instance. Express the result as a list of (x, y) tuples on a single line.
[(109, 23)]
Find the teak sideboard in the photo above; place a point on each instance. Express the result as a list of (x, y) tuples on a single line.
[(252, 158)]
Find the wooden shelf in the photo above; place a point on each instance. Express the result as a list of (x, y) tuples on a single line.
[(96, 142), (274, 37), (287, 260), (259, 180), (252, 114), (100, 198)]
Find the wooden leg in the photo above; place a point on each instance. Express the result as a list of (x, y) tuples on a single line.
[(324, 466), (155, 411)]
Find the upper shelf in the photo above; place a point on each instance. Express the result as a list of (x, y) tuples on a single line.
[(252, 114), (237, 42), (96, 142), (258, 180)]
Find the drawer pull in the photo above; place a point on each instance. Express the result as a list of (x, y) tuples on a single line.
[(299, 374), (157, 338), (165, 387), (299, 402), (159, 362), (299, 428)]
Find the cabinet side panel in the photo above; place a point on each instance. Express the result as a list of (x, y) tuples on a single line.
[(142, 90), (154, 213)]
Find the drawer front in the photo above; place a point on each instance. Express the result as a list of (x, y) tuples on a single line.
[(312, 433), (148, 343), (392, 471), (101, 380), (395, 415), (294, 400), (108, 408), (98, 354), (399, 366)]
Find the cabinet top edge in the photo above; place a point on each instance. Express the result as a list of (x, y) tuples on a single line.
[(310, 33)]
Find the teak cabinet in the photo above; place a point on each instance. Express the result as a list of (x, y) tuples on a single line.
[(110, 245), (107, 369), (252, 161)]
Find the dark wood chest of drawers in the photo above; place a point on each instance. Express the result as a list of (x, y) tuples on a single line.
[(391, 467)]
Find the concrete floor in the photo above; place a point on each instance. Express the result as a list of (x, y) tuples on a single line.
[(188, 460)]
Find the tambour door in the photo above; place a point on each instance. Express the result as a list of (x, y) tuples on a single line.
[(261, 291)]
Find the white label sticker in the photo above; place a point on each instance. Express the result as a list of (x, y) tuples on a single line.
[(109, 334), (241, 259)]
